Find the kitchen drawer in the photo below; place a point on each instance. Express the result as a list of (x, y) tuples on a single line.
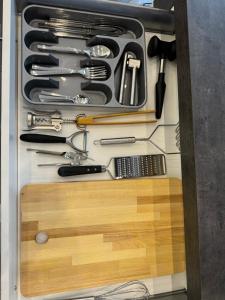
[(19, 168)]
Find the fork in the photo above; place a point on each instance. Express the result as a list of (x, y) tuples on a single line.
[(97, 72)]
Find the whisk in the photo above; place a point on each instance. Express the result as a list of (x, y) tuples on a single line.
[(133, 290)]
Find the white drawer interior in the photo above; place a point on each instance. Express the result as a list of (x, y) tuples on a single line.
[(19, 167), (29, 172)]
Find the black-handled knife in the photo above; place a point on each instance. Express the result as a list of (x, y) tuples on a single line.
[(80, 170)]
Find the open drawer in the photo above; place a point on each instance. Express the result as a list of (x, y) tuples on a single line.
[(19, 168)]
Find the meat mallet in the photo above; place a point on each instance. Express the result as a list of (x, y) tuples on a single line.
[(164, 50)]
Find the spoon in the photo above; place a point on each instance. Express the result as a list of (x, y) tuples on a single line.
[(49, 97), (98, 51)]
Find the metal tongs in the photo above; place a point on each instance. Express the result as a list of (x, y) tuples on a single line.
[(82, 120), (38, 120)]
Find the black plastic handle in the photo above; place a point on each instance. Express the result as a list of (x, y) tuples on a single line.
[(42, 138), (79, 170), (157, 47), (160, 89)]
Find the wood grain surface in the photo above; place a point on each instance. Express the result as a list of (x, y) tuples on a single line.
[(100, 233)]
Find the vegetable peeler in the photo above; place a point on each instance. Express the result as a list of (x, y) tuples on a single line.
[(51, 139)]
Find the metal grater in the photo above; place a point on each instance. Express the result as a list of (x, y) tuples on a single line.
[(139, 166), (125, 167)]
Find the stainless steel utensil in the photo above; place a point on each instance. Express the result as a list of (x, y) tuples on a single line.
[(50, 97), (127, 55), (98, 51), (132, 140), (178, 137), (63, 34), (42, 120), (134, 65), (100, 24), (86, 28), (132, 290), (124, 167), (91, 73), (75, 157)]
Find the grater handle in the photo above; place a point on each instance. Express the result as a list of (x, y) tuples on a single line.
[(116, 141), (80, 170)]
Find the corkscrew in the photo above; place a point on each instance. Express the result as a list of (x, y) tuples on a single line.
[(42, 120)]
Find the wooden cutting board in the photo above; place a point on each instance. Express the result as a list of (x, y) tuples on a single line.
[(100, 233)]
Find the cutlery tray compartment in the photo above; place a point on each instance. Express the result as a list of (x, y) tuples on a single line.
[(126, 34)]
